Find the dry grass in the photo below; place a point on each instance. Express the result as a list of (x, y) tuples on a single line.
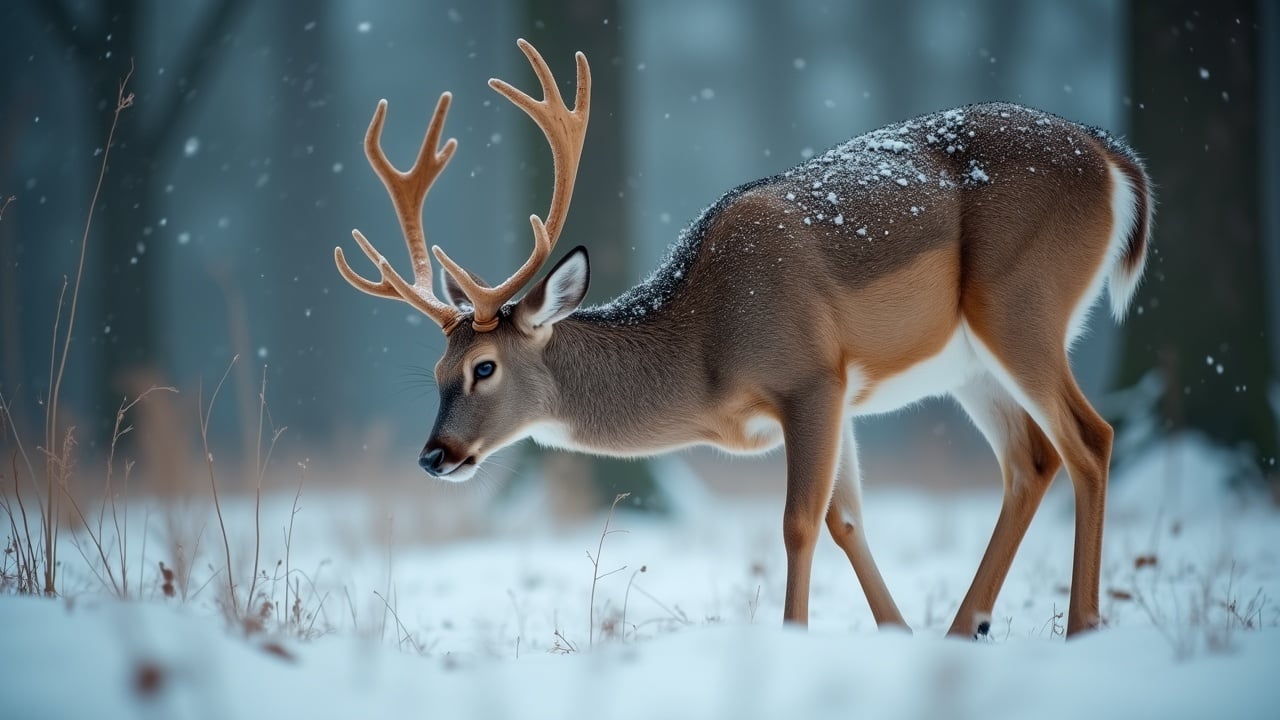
[(114, 575), (59, 444), (39, 504), (1199, 610), (596, 577)]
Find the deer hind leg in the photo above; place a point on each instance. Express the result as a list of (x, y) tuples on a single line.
[(811, 432), (1046, 389), (1084, 440), (1028, 463), (844, 520)]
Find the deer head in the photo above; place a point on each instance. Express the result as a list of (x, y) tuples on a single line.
[(493, 385)]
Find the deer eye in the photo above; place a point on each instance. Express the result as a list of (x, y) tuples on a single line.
[(485, 369)]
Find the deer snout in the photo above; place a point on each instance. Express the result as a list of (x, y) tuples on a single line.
[(441, 458), (431, 460)]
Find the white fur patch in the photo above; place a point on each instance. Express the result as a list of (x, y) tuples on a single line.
[(459, 474), (953, 366), (566, 286), (997, 370), (762, 431), (1124, 212), (1124, 205), (552, 434)]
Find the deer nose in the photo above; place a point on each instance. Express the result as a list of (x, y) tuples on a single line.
[(431, 461)]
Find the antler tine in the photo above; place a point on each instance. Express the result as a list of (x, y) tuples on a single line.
[(408, 190), (565, 130), (550, 91), (487, 301)]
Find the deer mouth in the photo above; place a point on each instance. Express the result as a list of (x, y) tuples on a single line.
[(461, 472)]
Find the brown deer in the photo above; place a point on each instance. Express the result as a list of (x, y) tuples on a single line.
[(957, 253)]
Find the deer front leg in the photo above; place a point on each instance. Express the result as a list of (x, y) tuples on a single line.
[(811, 430)]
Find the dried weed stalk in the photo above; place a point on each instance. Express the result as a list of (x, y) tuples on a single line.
[(59, 442), (596, 577)]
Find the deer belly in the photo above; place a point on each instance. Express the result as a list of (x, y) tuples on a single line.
[(939, 374)]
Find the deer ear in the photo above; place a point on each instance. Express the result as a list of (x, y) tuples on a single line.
[(559, 293), (453, 293)]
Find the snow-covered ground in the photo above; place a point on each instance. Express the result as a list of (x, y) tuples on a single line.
[(502, 624)]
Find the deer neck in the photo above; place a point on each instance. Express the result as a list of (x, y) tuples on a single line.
[(601, 367)]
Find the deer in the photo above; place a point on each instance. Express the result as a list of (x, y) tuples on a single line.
[(958, 253)]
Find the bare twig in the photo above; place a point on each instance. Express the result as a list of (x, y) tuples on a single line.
[(142, 560), (120, 588), (29, 560), (123, 101), (48, 528), (1054, 623), (562, 645), (404, 632), (205, 413), (595, 568), (5, 205), (25, 560), (261, 470), (351, 608), (288, 542), (6, 413), (677, 614), (391, 519)]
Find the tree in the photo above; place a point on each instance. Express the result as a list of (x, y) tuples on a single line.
[(128, 300), (1202, 313)]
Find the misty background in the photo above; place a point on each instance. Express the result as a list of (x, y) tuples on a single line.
[(240, 167)]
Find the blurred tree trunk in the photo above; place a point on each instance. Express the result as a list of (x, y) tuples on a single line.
[(1202, 312), (122, 311), (313, 196), (597, 217)]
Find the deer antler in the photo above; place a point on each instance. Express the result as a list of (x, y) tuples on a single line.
[(408, 190), (565, 130)]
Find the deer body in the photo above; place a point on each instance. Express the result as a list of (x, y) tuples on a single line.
[(957, 253)]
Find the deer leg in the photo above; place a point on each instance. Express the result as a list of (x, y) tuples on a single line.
[(1028, 463), (1048, 392), (1084, 439), (844, 521), (811, 431)]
